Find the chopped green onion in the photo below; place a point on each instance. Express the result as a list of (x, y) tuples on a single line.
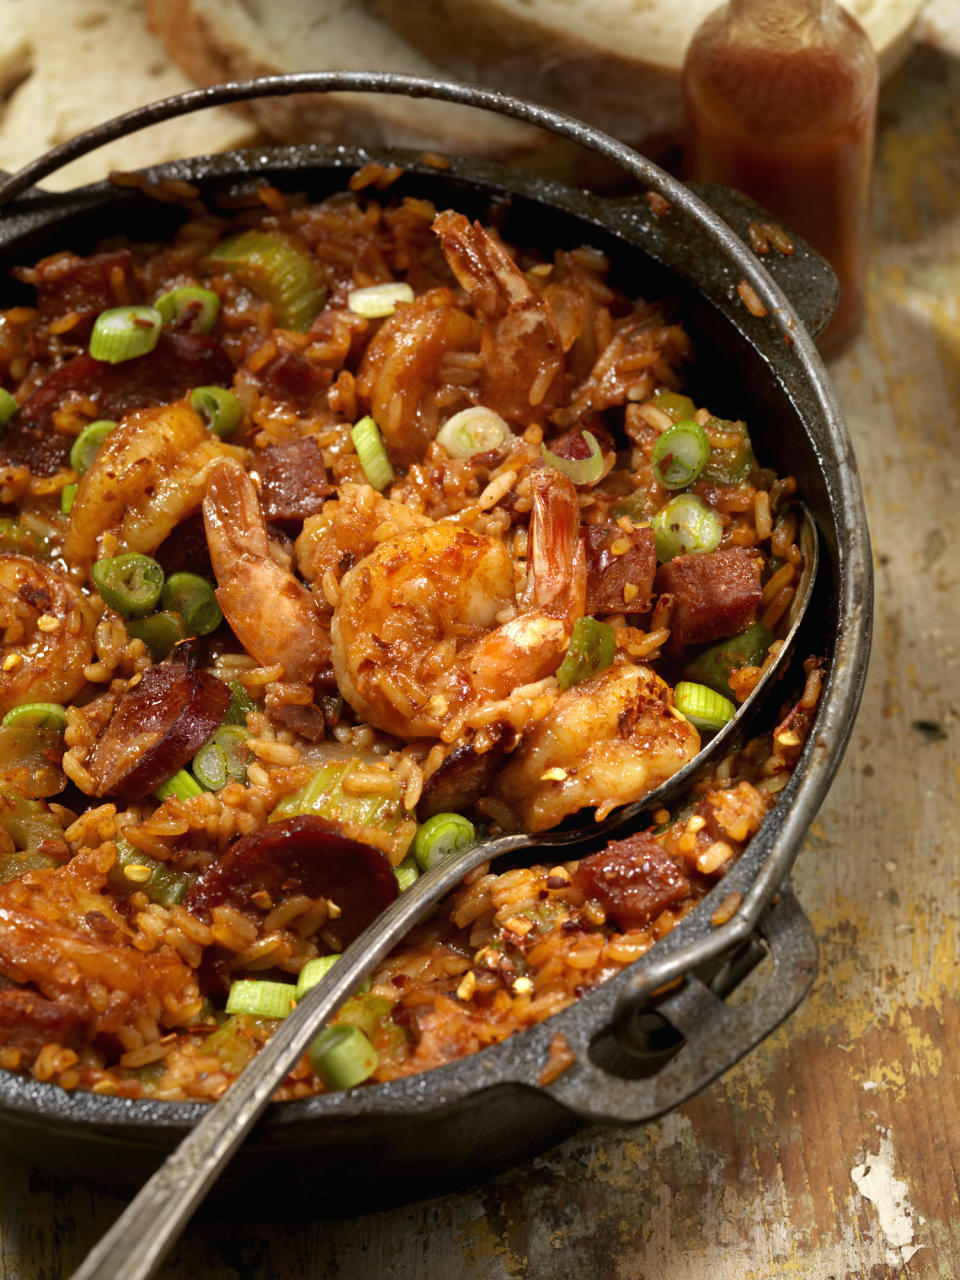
[(472, 431), (135, 869), (714, 665), (192, 596), (406, 873), (218, 760), (260, 998), (312, 972), (240, 704), (199, 306), (673, 404), (728, 464), (40, 715), (702, 706), (580, 470), (685, 525), (440, 836), (87, 444), (592, 647), (129, 583), (342, 1056), (378, 300), (209, 767), (182, 786), (229, 739), (8, 406), (373, 456), (125, 333), (219, 409), (279, 269), (318, 968), (680, 454), (67, 495), (158, 631)]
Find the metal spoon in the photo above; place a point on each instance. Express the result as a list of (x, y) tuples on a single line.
[(141, 1237)]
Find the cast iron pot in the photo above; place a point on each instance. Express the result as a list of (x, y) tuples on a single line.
[(423, 1134)]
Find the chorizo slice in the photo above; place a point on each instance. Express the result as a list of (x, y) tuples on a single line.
[(305, 854), (156, 726), (620, 568), (68, 285), (29, 1020), (633, 880), (178, 363), (293, 482), (715, 594)]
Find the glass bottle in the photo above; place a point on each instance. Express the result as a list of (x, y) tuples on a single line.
[(780, 99)]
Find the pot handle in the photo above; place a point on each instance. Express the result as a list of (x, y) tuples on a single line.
[(776, 306), (804, 275), (660, 1054)]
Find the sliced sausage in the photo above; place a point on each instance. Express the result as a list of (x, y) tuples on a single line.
[(632, 879), (620, 568), (178, 363), (67, 284), (715, 595), (157, 725), (293, 482), (305, 854), (461, 778), (28, 1021), (292, 379)]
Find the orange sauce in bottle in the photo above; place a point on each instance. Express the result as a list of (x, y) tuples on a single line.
[(780, 99)]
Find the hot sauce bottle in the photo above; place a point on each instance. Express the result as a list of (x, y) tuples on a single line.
[(780, 99)]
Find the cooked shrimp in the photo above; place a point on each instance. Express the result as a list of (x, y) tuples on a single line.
[(416, 640), (405, 359), (271, 612), (348, 528), (606, 742), (523, 369), (150, 473), (46, 634)]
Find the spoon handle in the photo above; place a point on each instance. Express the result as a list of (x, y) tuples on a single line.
[(140, 1238)]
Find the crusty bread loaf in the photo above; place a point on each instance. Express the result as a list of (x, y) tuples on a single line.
[(65, 65), (614, 63), (215, 40)]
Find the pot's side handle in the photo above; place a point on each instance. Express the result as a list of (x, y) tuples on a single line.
[(804, 275), (610, 1084)]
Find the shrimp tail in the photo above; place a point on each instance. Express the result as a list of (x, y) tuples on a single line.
[(270, 611), (556, 566)]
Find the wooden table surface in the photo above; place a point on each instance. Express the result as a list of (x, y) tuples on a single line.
[(832, 1151)]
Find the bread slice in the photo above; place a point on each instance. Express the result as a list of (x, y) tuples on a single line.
[(216, 40), (66, 65), (614, 63)]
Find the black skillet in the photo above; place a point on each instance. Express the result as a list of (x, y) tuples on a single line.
[(391, 1142)]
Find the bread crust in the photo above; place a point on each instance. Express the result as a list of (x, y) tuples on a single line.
[(200, 40)]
